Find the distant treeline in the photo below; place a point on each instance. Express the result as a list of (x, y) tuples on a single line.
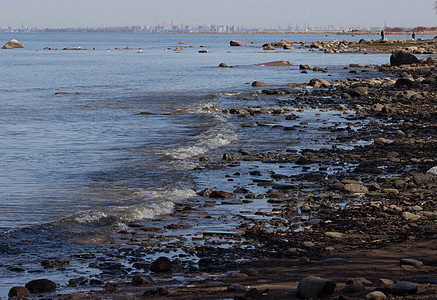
[(415, 29)]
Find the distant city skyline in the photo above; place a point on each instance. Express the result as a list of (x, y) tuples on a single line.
[(243, 13)]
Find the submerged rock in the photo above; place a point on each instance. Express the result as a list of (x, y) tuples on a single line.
[(279, 63)]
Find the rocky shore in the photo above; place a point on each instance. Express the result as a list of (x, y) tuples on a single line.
[(357, 221)]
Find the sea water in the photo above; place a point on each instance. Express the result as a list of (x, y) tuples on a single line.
[(93, 139)]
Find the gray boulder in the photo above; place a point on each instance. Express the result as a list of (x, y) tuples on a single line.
[(401, 57)]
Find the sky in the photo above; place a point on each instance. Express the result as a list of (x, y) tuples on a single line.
[(248, 13)]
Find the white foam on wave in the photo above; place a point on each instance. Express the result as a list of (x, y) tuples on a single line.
[(148, 204), (219, 135)]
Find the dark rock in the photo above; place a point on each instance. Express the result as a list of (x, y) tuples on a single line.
[(205, 193), (162, 292), (354, 286), (141, 280), (402, 57), (411, 262), (253, 294), (237, 43), (162, 264), (77, 281), (54, 263), (268, 47), (304, 67), (368, 167), (259, 83), (12, 44), (404, 83), (421, 179), (18, 292), (222, 195), (236, 288), (403, 288), (357, 91), (223, 65), (41, 286), (315, 287)]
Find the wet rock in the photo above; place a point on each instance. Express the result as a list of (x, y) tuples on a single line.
[(376, 295), (141, 280), (355, 188), (234, 43), (315, 287), (359, 91), (253, 294), (162, 292), (259, 83), (54, 263), (12, 44), (279, 63), (236, 288), (304, 67), (18, 292), (41, 286), (77, 281), (76, 296), (381, 141), (223, 65), (402, 57), (411, 262), (403, 288), (205, 193), (268, 47), (319, 83), (162, 264), (404, 83), (222, 195), (204, 51), (387, 283)]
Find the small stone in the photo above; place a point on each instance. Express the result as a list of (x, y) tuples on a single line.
[(76, 296), (411, 262), (315, 287), (385, 282), (156, 292), (381, 141), (259, 83), (18, 292), (376, 295), (354, 286), (223, 65), (308, 244)]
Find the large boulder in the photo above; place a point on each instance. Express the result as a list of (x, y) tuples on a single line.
[(315, 287), (162, 264), (41, 286), (401, 57), (13, 44), (237, 43)]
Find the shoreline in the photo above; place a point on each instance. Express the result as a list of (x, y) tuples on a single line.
[(345, 214)]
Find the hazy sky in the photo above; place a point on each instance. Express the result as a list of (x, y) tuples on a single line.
[(250, 13)]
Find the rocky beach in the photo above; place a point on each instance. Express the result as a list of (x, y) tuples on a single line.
[(351, 216)]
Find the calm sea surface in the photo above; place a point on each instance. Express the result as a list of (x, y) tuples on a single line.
[(116, 152)]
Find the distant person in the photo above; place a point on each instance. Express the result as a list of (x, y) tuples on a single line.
[(382, 34), (413, 36)]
